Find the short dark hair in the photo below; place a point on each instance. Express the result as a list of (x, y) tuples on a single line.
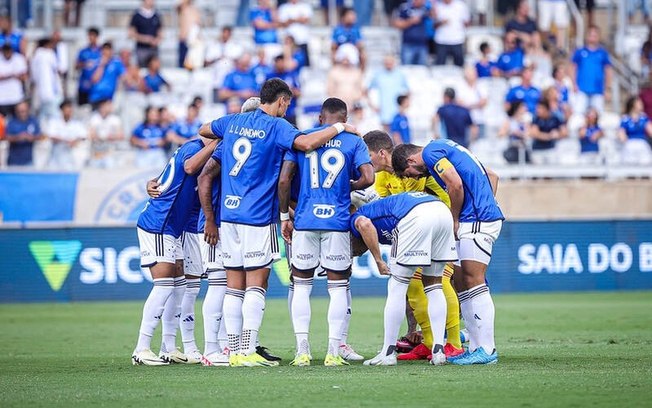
[(197, 99), (151, 58), (93, 30), (378, 140), (629, 104), (513, 107), (345, 10), (107, 45), (484, 46), (544, 103), (6, 47), (333, 106), (400, 156), (401, 99), (279, 57), (449, 93), (273, 89), (66, 102)]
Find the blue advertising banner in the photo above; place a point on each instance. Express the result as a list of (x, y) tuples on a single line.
[(79, 264), (37, 196)]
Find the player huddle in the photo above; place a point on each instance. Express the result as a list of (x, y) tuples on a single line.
[(215, 208)]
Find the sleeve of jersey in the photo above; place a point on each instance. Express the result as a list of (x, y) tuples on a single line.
[(354, 230), (219, 126), (286, 135), (217, 153), (442, 165), (361, 154), (433, 186), (290, 155)]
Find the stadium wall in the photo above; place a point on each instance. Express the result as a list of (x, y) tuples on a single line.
[(102, 263)]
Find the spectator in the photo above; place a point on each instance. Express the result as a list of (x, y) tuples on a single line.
[(298, 58), (453, 121), (592, 73), (149, 139), (348, 31), (45, 77), (556, 10), (635, 5), (154, 81), (68, 136), (515, 129), (63, 57), (485, 67), (414, 19), (295, 16), (233, 105), (87, 59), (364, 9), (474, 99), (132, 81), (363, 122), (261, 69), (452, 18), (590, 6), (13, 74), (21, 133), (562, 81), (345, 79), (546, 129), (105, 132), (185, 129), (525, 92), (189, 27), (68, 7), (635, 133), (166, 121), (522, 25), (512, 61), (264, 20), (240, 82), (106, 76), (146, 29), (291, 78), (400, 127), (390, 84), (325, 6), (12, 37), (539, 58), (557, 108), (646, 56), (224, 50), (589, 135)]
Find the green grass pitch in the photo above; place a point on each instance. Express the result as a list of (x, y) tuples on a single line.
[(558, 350)]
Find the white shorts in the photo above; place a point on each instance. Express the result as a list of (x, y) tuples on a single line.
[(248, 246), (211, 255), (477, 240), (423, 236), (330, 249), (553, 10), (192, 256), (156, 248)]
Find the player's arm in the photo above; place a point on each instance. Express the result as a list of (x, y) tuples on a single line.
[(369, 235), (199, 159), (284, 185), (367, 177), (306, 143), (205, 186), (206, 131), (455, 187), (493, 180)]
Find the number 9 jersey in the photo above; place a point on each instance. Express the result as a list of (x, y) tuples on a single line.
[(253, 147)]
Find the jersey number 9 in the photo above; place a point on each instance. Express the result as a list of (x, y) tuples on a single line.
[(241, 152)]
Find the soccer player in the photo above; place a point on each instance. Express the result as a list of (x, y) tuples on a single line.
[(253, 148), (388, 183), (320, 232), (419, 228), (477, 224), (160, 226)]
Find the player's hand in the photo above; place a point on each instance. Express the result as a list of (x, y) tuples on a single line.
[(211, 234), (351, 129), (152, 188), (414, 337), (383, 269), (286, 230)]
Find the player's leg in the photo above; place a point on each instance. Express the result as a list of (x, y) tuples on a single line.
[(231, 240), (436, 310), (346, 351), (172, 313), (419, 305), (215, 339), (157, 254), (335, 258), (305, 258), (193, 269), (453, 341)]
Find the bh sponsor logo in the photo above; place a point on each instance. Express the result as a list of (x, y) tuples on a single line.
[(323, 211), (232, 202)]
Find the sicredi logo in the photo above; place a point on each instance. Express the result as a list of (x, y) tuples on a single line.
[(55, 259)]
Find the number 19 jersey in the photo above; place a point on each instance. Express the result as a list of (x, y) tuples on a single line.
[(325, 174), (253, 147)]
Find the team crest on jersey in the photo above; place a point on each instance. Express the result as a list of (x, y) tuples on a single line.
[(323, 210), (232, 202)]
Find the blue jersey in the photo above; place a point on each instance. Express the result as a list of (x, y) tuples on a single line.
[(325, 186), (511, 61), (401, 126), (590, 69), (152, 134), (386, 213), (14, 39), (587, 144), (263, 36), (215, 189), (186, 129), (343, 35), (529, 96), (88, 58), (154, 82), (105, 88), (635, 129), (484, 69), (170, 212), (254, 144), (479, 202)]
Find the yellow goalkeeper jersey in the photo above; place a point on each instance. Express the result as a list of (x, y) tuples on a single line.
[(389, 184)]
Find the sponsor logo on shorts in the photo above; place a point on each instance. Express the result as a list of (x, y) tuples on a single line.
[(254, 254), (386, 234), (336, 257), (415, 253), (232, 202), (304, 257), (323, 210)]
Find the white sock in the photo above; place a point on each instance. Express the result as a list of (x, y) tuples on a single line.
[(253, 309), (347, 318), (290, 297), (469, 322), (222, 337), (153, 310), (436, 313), (212, 311), (336, 313), (232, 317), (397, 287), (187, 320), (301, 313), (484, 313), (171, 315)]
